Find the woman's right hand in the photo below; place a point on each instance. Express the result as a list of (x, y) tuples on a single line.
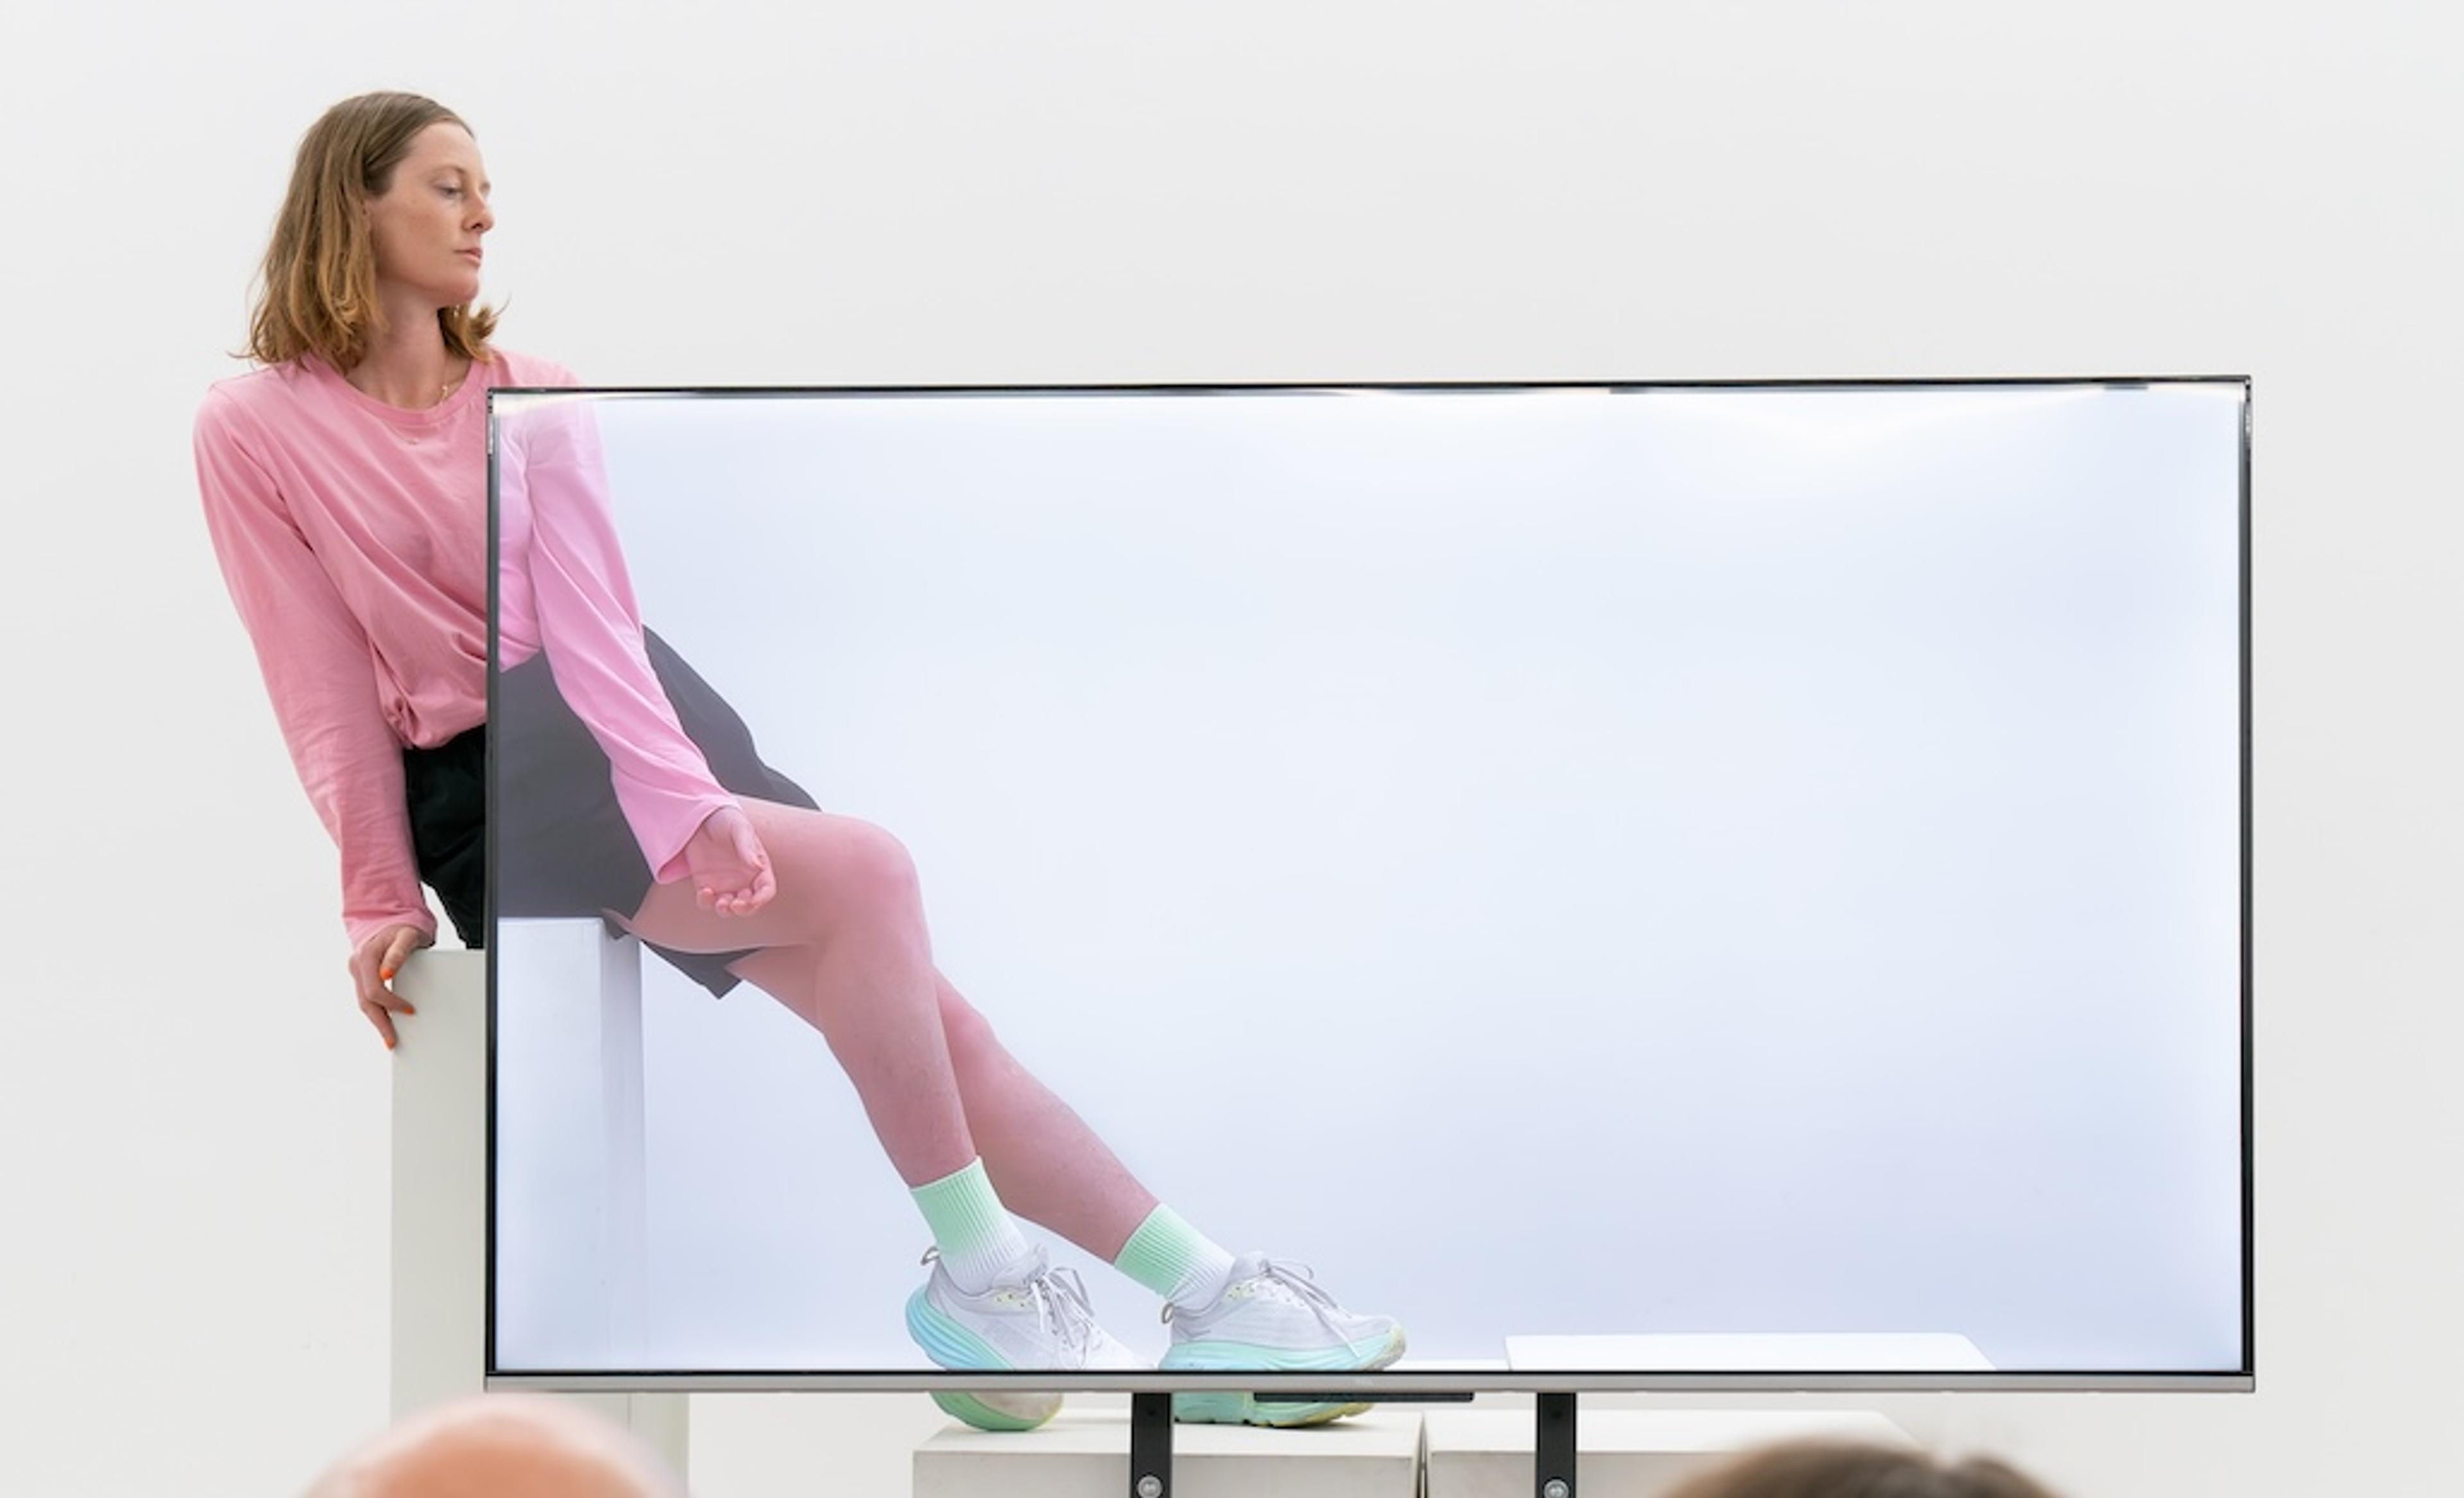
[(728, 864), (372, 968)]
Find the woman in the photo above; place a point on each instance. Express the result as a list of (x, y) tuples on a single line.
[(344, 485)]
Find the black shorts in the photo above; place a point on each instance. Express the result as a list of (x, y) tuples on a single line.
[(563, 847)]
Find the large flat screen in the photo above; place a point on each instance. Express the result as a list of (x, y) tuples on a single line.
[(1646, 886)]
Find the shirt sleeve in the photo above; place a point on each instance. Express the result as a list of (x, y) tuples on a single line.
[(318, 669), (590, 630)]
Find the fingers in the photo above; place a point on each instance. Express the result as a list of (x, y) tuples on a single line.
[(754, 894), (363, 977), (383, 1023), (724, 903), (382, 993), (752, 890), (406, 941), (372, 968), (737, 882), (762, 884), (375, 998), (748, 844)]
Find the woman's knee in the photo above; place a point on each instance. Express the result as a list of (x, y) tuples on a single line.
[(836, 875), (873, 870)]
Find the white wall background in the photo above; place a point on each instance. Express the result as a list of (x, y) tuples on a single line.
[(193, 1114)]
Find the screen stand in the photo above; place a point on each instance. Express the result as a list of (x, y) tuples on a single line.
[(1150, 1445), (1552, 1446)]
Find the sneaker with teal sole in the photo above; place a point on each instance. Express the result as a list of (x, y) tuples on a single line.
[(1272, 1317), (1035, 1318)]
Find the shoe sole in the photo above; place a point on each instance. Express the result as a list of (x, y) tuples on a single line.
[(954, 1347), (1007, 1413), (1247, 1409)]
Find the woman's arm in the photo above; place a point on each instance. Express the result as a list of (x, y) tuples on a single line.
[(320, 675), (589, 629)]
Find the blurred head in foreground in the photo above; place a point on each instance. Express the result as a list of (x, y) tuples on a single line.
[(502, 1445), (1838, 1470)]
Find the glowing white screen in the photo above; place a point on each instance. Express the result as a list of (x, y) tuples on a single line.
[(1568, 862)]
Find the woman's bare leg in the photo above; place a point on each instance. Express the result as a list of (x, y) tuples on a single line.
[(843, 946), (1047, 1165)]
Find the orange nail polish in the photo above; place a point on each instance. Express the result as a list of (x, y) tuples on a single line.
[(385, 973)]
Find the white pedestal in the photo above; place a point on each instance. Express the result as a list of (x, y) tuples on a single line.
[(571, 1230), (440, 1177), (1376, 1455), (1619, 1453)]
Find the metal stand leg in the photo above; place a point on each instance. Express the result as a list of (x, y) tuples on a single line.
[(1552, 1446), (1150, 1445)]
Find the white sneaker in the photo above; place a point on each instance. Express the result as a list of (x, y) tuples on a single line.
[(1271, 1316), (1035, 1318)]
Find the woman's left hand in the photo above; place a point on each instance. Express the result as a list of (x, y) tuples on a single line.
[(729, 868)]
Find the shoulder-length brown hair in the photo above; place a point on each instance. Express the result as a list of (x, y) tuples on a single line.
[(318, 290), (1842, 1469)]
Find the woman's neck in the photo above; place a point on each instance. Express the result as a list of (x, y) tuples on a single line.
[(407, 365)]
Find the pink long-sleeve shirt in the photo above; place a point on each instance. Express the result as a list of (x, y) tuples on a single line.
[(354, 538)]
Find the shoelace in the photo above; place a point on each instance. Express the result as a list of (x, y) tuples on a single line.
[(1297, 1278), (1061, 1303)]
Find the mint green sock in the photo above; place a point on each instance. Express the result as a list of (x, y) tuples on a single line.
[(975, 1234), (1174, 1260)]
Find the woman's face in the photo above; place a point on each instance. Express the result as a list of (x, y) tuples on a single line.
[(428, 223)]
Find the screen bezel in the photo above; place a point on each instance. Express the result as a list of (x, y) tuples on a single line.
[(1452, 1380)]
